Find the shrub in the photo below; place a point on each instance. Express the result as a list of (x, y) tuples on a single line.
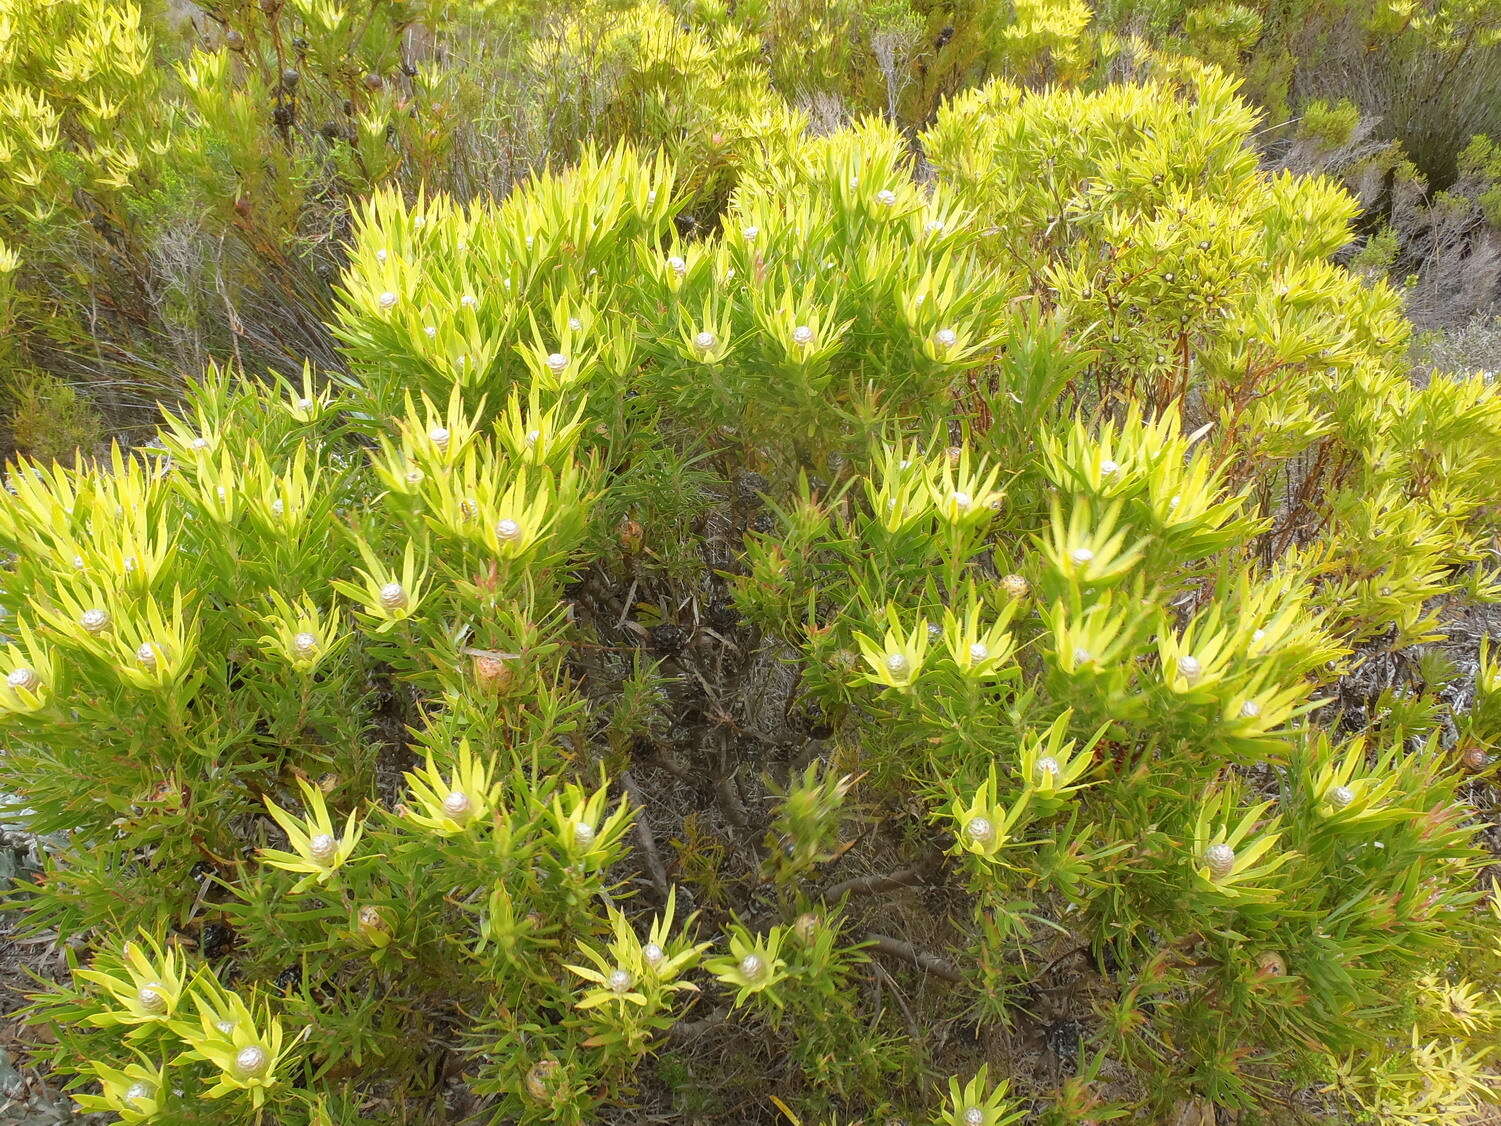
[(974, 583)]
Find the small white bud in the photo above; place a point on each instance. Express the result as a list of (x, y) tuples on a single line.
[(1258, 635), (439, 437), (1189, 668), (24, 679), (750, 233), (95, 621), (979, 830), (620, 981), (457, 804), (251, 1061), (227, 1027), (583, 834), (386, 299), (886, 196), (430, 330), (135, 1092), (961, 500), (974, 1116), (896, 663), (381, 255), (323, 847), (146, 655), (705, 340), (507, 531), (1082, 656), (199, 443), (78, 563), (1250, 709), (1081, 556), (1219, 859), (304, 404), (946, 337), (651, 195), (414, 476), (979, 651), (305, 644), (1109, 469), (1047, 766), (393, 596), (533, 437), (802, 334), (752, 967), (557, 362), (574, 324), (150, 998), (934, 226), (652, 954), (677, 265), (1341, 796), (278, 507), (469, 301)]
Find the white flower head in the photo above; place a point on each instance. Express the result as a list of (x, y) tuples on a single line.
[(251, 1062), (457, 803), (24, 679), (979, 830), (1219, 859)]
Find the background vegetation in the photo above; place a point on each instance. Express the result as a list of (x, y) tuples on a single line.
[(785, 562)]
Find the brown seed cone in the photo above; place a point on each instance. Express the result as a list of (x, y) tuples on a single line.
[(539, 1079), (1271, 964), (630, 535), (493, 674), (1474, 759)]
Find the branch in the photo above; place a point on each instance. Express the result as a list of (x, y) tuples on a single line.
[(692, 1029), (871, 885), (928, 963), (644, 837)]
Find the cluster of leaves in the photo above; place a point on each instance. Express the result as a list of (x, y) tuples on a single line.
[(1087, 473)]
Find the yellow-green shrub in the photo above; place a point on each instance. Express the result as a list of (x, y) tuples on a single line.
[(1022, 534)]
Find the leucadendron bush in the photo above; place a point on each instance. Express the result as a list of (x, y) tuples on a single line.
[(902, 654)]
